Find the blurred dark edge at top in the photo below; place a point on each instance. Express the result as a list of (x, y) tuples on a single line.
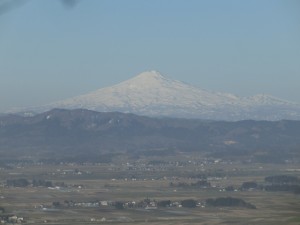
[(9, 5)]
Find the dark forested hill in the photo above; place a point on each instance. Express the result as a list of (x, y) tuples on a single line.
[(71, 132)]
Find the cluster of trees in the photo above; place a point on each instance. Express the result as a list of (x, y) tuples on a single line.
[(41, 183), (119, 205), (275, 183), (22, 182), (186, 203), (249, 185), (2, 210), (229, 202), (282, 179), (56, 204), (283, 183), (189, 203), (284, 187), (246, 186), (164, 203)]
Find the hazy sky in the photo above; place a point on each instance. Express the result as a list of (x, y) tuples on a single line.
[(50, 51)]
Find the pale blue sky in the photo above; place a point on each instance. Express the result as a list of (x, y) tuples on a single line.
[(50, 52)]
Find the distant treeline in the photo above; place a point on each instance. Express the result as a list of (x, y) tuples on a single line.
[(229, 202), (22, 182), (283, 179), (283, 183), (284, 187), (286, 183), (153, 204)]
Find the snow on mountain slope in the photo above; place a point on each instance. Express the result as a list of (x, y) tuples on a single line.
[(152, 94)]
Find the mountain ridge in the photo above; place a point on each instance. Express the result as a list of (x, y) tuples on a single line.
[(61, 133), (152, 94)]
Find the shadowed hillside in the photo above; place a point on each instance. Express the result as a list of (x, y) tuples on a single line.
[(70, 132)]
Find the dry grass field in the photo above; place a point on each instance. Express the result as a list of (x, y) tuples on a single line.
[(90, 192)]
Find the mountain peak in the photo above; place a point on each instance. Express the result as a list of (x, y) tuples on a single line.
[(150, 93), (146, 79), (151, 74)]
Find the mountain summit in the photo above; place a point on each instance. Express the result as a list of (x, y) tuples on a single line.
[(153, 94)]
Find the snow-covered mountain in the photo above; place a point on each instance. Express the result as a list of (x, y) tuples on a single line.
[(152, 94)]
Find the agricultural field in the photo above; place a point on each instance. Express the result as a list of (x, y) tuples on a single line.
[(181, 189)]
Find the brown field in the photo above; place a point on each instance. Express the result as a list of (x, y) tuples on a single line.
[(123, 182)]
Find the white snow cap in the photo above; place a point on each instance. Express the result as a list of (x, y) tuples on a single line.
[(152, 94)]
